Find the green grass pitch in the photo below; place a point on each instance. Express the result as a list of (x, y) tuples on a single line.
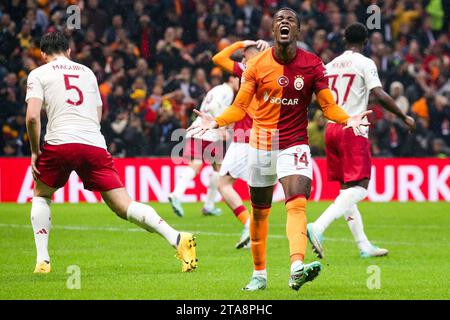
[(119, 261)]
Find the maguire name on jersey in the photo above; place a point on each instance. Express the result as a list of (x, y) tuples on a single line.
[(70, 96)]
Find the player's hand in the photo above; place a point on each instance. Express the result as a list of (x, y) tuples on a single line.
[(207, 123), (262, 45), (358, 122), (410, 122), (34, 171), (248, 43)]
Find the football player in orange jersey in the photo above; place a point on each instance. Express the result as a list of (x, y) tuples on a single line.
[(283, 79)]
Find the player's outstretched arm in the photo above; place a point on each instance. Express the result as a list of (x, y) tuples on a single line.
[(357, 122), (33, 122), (389, 104), (230, 115), (335, 113), (207, 123), (233, 113), (223, 57)]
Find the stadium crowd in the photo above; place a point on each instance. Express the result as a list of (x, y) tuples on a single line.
[(153, 62)]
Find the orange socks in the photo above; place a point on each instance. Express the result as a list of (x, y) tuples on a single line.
[(259, 226), (242, 214), (296, 227)]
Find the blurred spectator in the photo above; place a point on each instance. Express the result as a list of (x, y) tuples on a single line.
[(390, 136), (14, 136), (396, 91), (439, 115), (316, 134), (96, 18), (162, 133), (420, 142), (440, 149), (133, 137), (251, 14), (192, 93)]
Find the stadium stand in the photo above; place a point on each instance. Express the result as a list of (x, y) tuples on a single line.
[(153, 63)]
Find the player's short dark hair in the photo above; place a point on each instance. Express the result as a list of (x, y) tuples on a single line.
[(291, 10), (54, 42), (356, 33)]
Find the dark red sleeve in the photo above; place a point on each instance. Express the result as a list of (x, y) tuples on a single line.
[(238, 69), (320, 78)]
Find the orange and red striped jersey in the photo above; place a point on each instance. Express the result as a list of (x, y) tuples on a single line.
[(283, 93)]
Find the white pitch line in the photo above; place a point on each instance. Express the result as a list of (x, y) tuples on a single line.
[(382, 226), (218, 234)]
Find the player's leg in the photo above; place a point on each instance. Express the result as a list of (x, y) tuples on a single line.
[(209, 206), (140, 214), (355, 224), (261, 198), (41, 222), (54, 170), (261, 180), (146, 217), (234, 202), (294, 168), (96, 169), (349, 195), (187, 175), (235, 165), (352, 158), (297, 189), (232, 198), (344, 202)]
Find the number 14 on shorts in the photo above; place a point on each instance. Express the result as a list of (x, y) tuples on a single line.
[(301, 160)]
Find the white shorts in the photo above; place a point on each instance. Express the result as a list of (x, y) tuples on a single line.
[(266, 166), (235, 162)]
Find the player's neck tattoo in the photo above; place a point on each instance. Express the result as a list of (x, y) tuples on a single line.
[(285, 54)]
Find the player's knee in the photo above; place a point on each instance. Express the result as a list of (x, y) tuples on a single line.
[(261, 197), (223, 184), (118, 201), (221, 187), (43, 193), (261, 203), (299, 193), (42, 190)]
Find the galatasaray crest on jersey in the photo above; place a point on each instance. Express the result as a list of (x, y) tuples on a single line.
[(299, 83)]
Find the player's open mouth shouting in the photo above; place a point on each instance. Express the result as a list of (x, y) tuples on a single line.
[(284, 32)]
